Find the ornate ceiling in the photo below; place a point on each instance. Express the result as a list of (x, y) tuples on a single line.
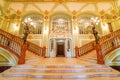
[(60, 0), (71, 7)]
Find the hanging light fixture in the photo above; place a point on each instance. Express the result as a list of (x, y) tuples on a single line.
[(95, 20)]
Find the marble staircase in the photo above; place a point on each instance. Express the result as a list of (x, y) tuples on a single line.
[(60, 68)]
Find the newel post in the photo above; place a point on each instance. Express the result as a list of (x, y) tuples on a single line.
[(43, 51), (76, 51), (100, 59), (22, 55)]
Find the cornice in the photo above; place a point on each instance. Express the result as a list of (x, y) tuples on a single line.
[(60, 0)]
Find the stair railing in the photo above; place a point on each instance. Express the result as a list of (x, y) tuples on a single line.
[(105, 47), (36, 49), (91, 45), (15, 45)]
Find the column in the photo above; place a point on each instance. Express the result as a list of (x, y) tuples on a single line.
[(75, 33), (45, 35)]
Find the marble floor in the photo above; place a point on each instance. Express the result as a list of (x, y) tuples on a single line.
[(60, 68)]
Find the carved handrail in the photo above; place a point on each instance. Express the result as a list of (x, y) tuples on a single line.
[(86, 48), (91, 45), (15, 45), (105, 47), (11, 36), (34, 48), (110, 44), (109, 35), (12, 44), (31, 46)]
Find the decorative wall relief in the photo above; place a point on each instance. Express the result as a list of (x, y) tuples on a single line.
[(60, 26)]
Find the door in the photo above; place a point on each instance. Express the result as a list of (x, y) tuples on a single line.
[(60, 49)]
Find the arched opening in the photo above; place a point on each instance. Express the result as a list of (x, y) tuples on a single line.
[(60, 23), (36, 23), (85, 26), (85, 23), (60, 32), (113, 59)]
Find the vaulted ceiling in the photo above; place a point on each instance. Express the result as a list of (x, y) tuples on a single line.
[(67, 6)]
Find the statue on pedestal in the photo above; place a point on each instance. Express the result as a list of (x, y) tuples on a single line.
[(95, 34), (26, 32)]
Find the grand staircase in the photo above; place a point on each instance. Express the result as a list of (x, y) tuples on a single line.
[(84, 67), (60, 68)]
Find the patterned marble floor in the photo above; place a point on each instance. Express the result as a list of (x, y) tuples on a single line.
[(60, 68)]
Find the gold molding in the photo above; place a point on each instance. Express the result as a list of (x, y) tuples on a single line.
[(60, 0)]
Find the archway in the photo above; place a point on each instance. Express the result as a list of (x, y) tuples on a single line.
[(84, 23), (60, 33), (36, 23)]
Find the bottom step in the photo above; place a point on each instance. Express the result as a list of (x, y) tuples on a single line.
[(60, 76)]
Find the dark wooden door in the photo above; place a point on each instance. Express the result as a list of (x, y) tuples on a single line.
[(60, 49)]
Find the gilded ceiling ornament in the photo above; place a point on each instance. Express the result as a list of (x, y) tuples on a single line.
[(102, 12), (61, 1), (113, 11), (74, 12), (46, 12), (18, 12), (7, 11)]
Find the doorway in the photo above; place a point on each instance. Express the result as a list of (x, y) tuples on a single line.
[(60, 49)]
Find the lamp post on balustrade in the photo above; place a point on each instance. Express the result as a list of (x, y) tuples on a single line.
[(27, 23), (94, 23)]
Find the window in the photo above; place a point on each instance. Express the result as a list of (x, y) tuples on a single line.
[(60, 23), (84, 25), (36, 23)]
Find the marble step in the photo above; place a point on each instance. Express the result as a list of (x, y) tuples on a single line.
[(65, 70), (95, 78), (60, 72), (60, 76), (61, 66)]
